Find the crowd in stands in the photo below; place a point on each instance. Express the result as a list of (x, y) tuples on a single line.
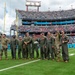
[(50, 15), (52, 28), (71, 39)]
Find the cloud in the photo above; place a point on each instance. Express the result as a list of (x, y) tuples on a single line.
[(1, 11), (55, 4), (8, 22), (1, 23)]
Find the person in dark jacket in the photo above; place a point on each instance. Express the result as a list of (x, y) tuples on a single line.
[(35, 46), (27, 46), (43, 44), (13, 46), (64, 42), (20, 47)]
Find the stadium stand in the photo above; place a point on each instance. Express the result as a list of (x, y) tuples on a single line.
[(53, 28), (52, 15)]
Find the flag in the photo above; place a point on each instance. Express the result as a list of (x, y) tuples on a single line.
[(5, 10), (4, 17)]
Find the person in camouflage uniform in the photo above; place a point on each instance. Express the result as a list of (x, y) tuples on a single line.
[(27, 46), (5, 42), (35, 46), (13, 46), (0, 45), (20, 48), (57, 45), (64, 42), (4, 46), (43, 44), (50, 43), (53, 46)]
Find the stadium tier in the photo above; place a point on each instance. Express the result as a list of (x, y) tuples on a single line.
[(30, 21), (47, 16), (67, 28)]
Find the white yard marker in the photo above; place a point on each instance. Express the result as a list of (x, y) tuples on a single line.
[(71, 54), (18, 65)]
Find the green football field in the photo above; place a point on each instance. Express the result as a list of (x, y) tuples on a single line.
[(39, 67)]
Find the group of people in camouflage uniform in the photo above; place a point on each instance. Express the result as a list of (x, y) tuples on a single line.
[(28, 47)]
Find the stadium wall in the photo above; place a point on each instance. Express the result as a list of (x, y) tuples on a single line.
[(69, 46)]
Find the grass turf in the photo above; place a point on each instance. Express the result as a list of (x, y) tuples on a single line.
[(42, 67)]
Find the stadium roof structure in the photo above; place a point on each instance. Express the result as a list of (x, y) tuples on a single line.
[(47, 15)]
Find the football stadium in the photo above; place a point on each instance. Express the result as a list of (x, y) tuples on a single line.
[(39, 25)]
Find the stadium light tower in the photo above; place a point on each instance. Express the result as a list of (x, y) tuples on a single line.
[(33, 4)]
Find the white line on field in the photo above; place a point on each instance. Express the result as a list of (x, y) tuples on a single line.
[(72, 54), (18, 65)]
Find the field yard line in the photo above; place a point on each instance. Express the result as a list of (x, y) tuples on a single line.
[(71, 54), (18, 65)]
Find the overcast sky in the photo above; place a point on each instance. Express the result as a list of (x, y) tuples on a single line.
[(11, 5)]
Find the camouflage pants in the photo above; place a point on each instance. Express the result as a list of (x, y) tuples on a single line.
[(57, 52), (0, 54), (5, 52), (0, 50), (19, 53), (35, 49), (42, 51)]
